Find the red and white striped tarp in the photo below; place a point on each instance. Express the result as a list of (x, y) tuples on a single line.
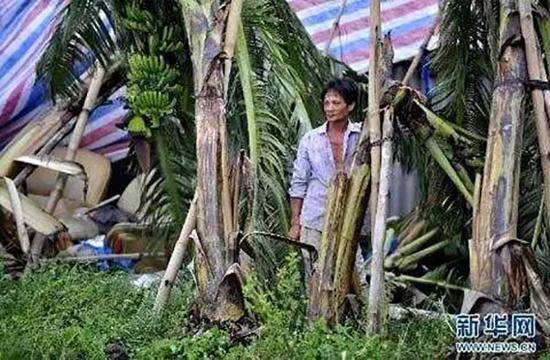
[(26, 26), (409, 22)]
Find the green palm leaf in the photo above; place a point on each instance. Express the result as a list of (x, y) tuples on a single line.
[(83, 35)]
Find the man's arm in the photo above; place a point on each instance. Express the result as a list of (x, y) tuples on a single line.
[(295, 211), (298, 188)]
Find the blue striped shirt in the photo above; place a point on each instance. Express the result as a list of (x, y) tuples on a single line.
[(314, 168)]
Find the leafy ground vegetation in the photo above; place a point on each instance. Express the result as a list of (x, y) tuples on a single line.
[(67, 312)]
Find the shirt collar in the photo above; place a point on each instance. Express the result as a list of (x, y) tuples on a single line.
[(352, 127)]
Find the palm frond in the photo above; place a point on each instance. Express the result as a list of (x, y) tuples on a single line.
[(463, 67), (170, 185), (274, 97), (84, 34)]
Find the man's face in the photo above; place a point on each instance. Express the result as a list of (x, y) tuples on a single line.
[(335, 107)]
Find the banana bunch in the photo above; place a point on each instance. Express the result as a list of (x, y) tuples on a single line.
[(139, 20), (152, 68), (152, 105), (138, 128), (152, 72), (165, 41)]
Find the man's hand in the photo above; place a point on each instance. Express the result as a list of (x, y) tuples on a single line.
[(294, 232)]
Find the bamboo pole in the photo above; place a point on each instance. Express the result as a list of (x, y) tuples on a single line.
[(18, 216), (130, 256), (374, 104), (376, 312), (103, 203), (74, 142), (335, 26), (416, 60), (176, 259), (537, 96)]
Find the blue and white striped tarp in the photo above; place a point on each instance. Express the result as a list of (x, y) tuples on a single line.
[(409, 22), (26, 26)]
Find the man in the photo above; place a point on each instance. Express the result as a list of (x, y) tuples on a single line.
[(321, 153)]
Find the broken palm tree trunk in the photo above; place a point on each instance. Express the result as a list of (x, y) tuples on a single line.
[(377, 313), (74, 142), (211, 28), (176, 259), (495, 269), (534, 70), (345, 207), (426, 125), (336, 281)]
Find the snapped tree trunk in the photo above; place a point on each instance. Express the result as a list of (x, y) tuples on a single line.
[(209, 28), (494, 268), (347, 198), (333, 282)]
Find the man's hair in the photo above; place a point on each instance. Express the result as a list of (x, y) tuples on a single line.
[(346, 87)]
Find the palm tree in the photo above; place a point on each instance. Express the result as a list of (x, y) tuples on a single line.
[(268, 99), (481, 52), (274, 88)]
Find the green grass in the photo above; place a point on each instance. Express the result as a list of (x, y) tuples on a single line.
[(67, 312), (75, 312)]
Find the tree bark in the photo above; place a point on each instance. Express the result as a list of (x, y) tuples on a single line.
[(333, 282), (210, 28), (493, 267)]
